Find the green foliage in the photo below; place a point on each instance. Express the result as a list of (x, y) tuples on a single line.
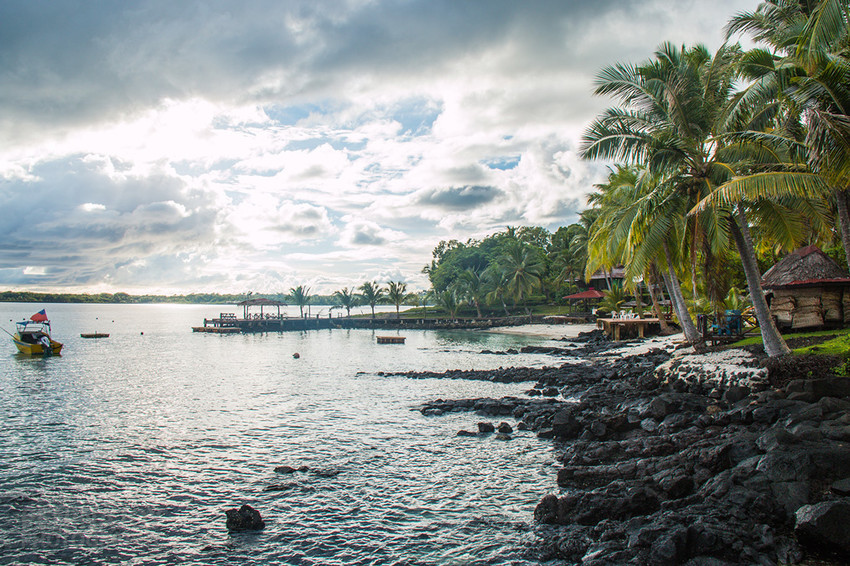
[(837, 346), (613, 299), (512, 265)]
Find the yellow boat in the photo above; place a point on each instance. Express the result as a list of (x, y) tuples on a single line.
[(33, 336)]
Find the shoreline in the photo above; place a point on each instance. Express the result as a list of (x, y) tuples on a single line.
[(673, 457)]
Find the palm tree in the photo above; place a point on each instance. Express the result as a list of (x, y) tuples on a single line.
[(472, 285), (624, 231), (497, 283), (300, 296), (803, 84), (448, 300), (397, 294), (675, 119), (372, 294), (522, 270), (347, 298)]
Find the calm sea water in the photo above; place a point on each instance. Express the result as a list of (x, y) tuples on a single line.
[(128, 450)]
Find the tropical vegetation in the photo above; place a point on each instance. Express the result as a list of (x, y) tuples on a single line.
[(300, 296), (720, 155)]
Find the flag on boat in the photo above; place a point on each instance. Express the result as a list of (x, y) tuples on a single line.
[(40, 316)]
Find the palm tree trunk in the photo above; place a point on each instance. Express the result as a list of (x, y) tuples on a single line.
[(841, 199), (675, 290), (656, 307), (774, 344)]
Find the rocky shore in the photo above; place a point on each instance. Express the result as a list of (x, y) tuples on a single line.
[(671, 457)]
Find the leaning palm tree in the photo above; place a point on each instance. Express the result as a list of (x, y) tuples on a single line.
[(371, 293), (300, 296), (674, 118), (627, 230), (397, 294), (347, 298)]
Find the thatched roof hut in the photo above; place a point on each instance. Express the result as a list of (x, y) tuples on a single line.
[(809, 290)]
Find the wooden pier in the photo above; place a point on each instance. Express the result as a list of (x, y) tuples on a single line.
[(615, 327), (230, 323), (390, 339)]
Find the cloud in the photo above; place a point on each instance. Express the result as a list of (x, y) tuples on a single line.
[(359, 232), (229, 145), (458, 198)]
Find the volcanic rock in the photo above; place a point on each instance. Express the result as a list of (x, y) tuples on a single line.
[(246, 518)]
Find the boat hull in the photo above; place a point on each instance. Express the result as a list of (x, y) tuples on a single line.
[(37, 349)]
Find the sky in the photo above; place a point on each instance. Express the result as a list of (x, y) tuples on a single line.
[(257, 145)]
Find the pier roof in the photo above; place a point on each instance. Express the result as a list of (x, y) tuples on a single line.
[(261, 302)]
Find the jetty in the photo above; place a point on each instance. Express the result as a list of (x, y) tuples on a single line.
[(615, 328), (229, 323), (270, 319)]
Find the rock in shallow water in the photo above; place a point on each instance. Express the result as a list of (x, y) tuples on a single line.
[(246, 518)]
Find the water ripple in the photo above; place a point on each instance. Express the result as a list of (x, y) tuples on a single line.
[(131, 455)]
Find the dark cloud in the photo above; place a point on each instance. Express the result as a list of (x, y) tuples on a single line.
[(366, 237), (458, 198), (74, 62), (75, 224)]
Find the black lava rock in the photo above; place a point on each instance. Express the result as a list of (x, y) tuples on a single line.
[(246, 518)]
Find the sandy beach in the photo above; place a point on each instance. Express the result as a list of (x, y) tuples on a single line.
[(567, 331), (553, 331)]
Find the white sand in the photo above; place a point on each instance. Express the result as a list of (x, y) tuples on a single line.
[(552, 331), (642, 346), (558, 331)]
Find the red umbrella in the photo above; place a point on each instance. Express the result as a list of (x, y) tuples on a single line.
[(589, 294)]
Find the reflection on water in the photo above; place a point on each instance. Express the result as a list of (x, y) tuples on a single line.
[(129, 449)]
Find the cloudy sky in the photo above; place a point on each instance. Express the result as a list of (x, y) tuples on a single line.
[(227, 146)]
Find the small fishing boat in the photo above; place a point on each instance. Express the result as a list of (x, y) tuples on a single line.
[(94, 335), (33, 336)]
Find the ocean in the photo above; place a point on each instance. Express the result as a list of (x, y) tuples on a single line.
[(128, 450)]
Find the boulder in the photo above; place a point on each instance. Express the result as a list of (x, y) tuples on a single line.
[(825, 526), (246, 518), (486, 427), (819, 388), (564, 424)]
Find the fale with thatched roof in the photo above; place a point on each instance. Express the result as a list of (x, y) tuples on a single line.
[(809, 290)]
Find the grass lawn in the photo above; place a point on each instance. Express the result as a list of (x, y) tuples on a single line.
[(829, 342)]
